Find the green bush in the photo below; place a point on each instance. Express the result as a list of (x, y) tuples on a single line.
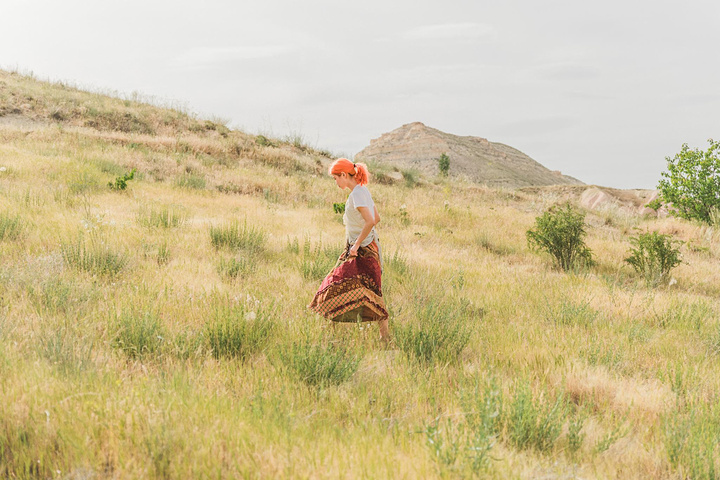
[(653, 255), (692, 182), (444, 165), (560, 232), (121, 182), (339, 208), (320, 365)]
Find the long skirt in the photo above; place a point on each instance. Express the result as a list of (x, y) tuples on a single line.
[(352, 290)]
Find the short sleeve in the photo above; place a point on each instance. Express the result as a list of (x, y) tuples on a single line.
[(362, 198)]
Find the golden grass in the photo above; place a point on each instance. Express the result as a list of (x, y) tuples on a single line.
[(627, 358)]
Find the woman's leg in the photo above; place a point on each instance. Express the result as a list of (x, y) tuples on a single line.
[(384, 332)]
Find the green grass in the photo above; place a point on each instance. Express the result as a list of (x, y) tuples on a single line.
[(320, 365), (138, 335), (238, 330), (236, 236), (94, 256), (191, 181), (167, 216), (438, 333), (12, 227)]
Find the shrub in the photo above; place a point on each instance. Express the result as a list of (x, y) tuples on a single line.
[(439, 332), (138, 335), (236, 236), (121, 182), (238, 330), (339, 208), (320, 365), (560, 232), (444, 165), (653, 255), (692, 182)]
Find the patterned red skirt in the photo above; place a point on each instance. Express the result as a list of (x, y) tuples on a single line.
[(352, 290)]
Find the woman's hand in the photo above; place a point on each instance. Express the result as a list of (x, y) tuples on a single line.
[(353, 251)]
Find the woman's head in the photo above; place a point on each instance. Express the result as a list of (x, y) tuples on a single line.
[(358, 171)]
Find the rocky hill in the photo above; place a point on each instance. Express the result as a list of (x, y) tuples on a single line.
[(417, 146)]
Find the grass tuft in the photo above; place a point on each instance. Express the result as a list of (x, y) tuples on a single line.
[(320, 365), (138, 336), (12, 227), (94, 256), (236, 236), (438, 333), (238, 330), (169, 216)]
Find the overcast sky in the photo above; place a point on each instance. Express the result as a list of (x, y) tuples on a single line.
[(602, 91)]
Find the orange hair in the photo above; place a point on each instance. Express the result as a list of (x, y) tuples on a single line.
[(358, 170)]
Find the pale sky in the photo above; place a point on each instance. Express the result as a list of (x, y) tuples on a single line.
[(602, 91)]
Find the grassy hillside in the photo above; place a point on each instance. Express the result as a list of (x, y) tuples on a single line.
[(161, 331)]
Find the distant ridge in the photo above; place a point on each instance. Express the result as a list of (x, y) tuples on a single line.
[(418, 146)]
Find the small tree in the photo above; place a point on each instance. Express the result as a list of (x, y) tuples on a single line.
[(692, 182), (560, 232), (653, 255), (444, 164)]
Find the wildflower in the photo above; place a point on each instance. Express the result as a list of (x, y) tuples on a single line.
[(2, 169), (250, 316)]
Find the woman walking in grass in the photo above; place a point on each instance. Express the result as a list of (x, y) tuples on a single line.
[(352, 290)]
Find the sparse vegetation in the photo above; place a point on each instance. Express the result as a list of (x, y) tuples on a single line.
[(444, 165), (156, 342)]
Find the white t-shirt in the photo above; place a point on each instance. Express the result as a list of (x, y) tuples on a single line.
[(353, 219)]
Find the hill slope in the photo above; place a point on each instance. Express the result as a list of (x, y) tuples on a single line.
[(162, 332), (417, 146)]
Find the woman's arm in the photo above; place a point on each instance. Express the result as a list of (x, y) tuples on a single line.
[(377, 216), (369, 224)]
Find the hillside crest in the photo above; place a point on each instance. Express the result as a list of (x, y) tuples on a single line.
[(417, 146)]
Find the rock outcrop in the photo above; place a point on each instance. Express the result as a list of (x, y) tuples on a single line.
[(417, 146)]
